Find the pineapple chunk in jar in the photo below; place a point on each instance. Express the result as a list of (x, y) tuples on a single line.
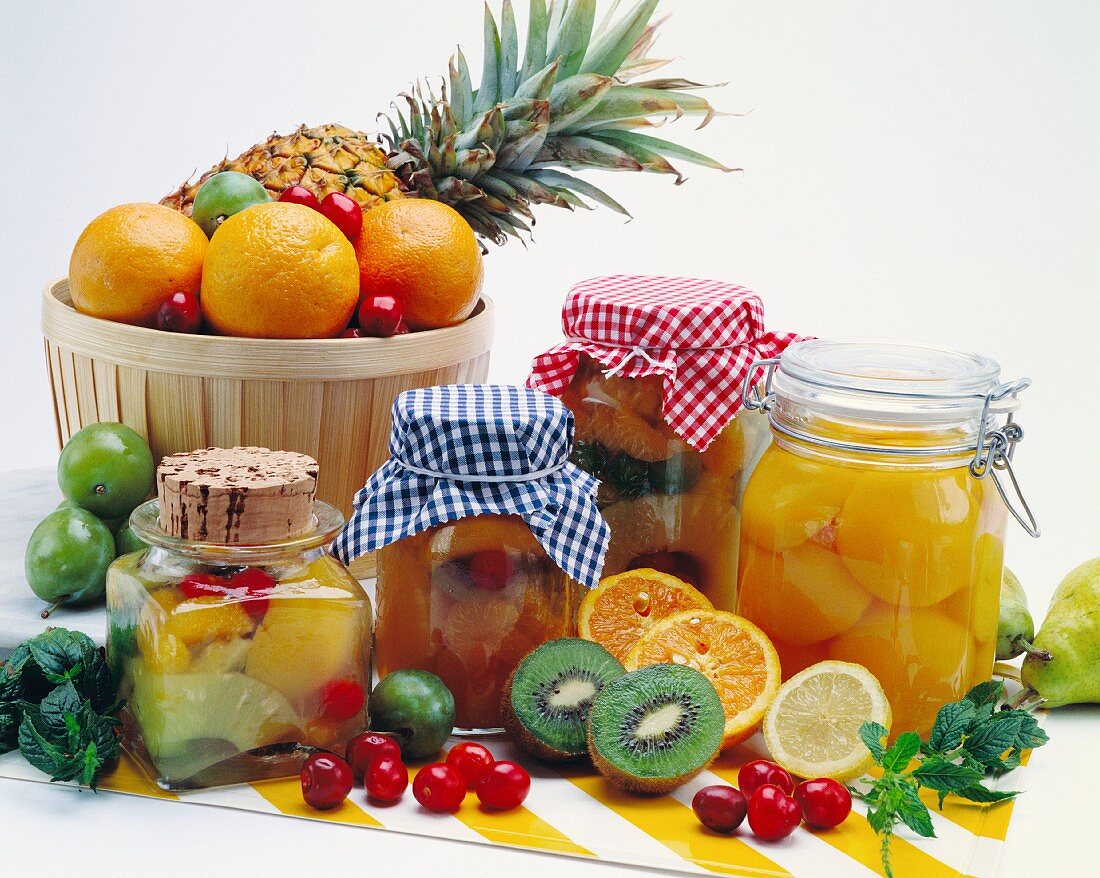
[(866, 537), (669, 506)]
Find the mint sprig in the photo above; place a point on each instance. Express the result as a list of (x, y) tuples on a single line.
[(57, 705), (973, 738)]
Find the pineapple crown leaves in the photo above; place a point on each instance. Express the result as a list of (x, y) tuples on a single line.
[(575, 103)]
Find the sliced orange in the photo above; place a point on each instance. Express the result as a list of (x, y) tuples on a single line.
[(623, 607), (736, 656)]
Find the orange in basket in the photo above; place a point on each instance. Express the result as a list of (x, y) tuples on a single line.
[(623, 607), (736, 656)]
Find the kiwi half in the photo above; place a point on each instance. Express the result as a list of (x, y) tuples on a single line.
[(655, 728), (547, 699)]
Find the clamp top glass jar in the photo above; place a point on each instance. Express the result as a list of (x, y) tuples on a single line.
[(873, 527)]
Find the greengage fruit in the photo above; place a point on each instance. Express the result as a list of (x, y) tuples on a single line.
[(417, 708), (67, 558), (222, 196), (107, 469)]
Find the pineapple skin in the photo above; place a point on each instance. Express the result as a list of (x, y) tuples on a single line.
[(324, 159)]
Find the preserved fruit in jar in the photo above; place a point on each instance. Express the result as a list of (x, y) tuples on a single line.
[(234, 659), (485, 532), (467, 601), (866, 535), (647, 371)]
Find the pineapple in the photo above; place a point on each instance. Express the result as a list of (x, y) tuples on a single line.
[(575, 103)]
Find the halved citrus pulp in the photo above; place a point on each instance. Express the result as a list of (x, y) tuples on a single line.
[(812, 726), (736, 656), (625, 606)]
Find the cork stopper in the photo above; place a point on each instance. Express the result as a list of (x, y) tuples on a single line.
[(237, 496)]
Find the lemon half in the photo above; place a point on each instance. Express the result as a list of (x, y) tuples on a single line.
[(812, 726)]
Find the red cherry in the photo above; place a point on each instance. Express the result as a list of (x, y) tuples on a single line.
[(772, 813), (352, 332), (254, 585), (342, 699), (344, 212), (180, 313), (379, 316), (504, 786), (402, 328), (300, 195), (203, 585), (825, 802), (471, 759), (490, 569), (326, 781), (759, 772), (367, 748), (439, 787), (720, 808), (386, 779)]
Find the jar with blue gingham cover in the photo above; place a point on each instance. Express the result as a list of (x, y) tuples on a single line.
[(485, 534)]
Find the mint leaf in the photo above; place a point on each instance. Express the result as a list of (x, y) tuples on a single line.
[(10, 717), (943, 776), (914, 813), (951, 723), (20, 678), (978, 793), (63, 702), (40, 752), (873, 735), (901, 754), (60, 653), (990, 740), (987, 693)]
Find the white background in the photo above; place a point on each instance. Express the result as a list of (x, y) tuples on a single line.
[(912, 170)]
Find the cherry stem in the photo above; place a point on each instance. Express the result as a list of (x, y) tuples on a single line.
[(1042, 655), (46, 613)]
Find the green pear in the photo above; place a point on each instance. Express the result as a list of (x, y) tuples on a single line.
[(1071, 635), (1014, 623)]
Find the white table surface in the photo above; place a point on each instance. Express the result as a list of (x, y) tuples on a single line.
[(1050, 834)]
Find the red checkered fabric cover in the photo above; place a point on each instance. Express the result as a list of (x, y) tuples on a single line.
[(701, 335)]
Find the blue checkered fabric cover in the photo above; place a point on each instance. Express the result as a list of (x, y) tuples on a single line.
[(473, 449)]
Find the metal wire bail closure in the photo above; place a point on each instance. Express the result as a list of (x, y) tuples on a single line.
[(994, 450), (751, 395)]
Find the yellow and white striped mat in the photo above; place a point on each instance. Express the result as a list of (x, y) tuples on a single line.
[(572, 811)]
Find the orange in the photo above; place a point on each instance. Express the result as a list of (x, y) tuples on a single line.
[(623, 607), (133, 257), (424, 254), (734, 654), (279, 270)]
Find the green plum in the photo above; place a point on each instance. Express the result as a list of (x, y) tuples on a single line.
[(67, 558), (417, 707), (126, 541), (222, 196), (113, 524), (106, 469)]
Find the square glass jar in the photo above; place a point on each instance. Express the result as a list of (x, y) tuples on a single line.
[(236, 661)]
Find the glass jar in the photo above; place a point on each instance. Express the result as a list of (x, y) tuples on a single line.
[(669, 506), (870, 532), (484, 533), (236, 660), (467, 601)]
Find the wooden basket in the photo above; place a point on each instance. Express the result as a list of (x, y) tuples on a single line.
[(328, 398)]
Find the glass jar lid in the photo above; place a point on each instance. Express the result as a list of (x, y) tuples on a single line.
[(327, 520), (890, 382)]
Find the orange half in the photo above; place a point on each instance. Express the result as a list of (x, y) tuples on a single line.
[(736, 656), (623, 607)]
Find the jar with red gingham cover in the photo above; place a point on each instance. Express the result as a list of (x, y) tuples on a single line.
[(652, 369)]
